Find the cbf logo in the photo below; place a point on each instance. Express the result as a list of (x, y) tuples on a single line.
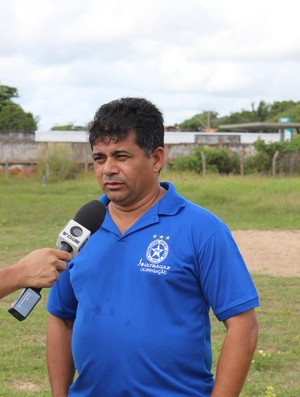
[(158, 249)]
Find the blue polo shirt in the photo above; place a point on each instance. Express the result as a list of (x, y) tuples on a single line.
[(141, 301)]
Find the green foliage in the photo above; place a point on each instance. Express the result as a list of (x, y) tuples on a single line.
[(244, 116), (288, 109), (187, 163), (220, 160), (290, 146), (263, 112), (6, 93), (68, 127), (261, 162), (217, 160), (56, 163), (12, 116), (200, 122)]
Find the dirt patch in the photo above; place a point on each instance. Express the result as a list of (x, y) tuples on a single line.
[(25, 386), (270, 252)]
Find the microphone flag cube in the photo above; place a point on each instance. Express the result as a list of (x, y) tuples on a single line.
[(73, 234)]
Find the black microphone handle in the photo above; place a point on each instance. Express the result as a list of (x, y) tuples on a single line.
[(90, 216), (29, 297)]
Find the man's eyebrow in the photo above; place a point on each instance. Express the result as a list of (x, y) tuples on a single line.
[(113, 153), (95, 154), (119, 151)]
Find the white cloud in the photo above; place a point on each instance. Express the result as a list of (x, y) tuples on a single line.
[(68, 57)]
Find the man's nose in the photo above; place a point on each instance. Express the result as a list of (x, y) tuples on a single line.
[(110, 166)]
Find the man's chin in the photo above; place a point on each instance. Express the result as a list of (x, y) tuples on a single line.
[(115, 196)]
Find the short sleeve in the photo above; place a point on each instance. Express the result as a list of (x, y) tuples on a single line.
[(225, 280), (62, 302)]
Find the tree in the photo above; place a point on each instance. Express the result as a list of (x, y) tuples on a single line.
[(12, 116), (200, 122), (6, 93), (68, 127), (244, 116), (263, 111)]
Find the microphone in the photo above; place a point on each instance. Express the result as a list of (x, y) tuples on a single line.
[(71, 238)]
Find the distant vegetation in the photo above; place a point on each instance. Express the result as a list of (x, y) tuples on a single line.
[(210, 120), (68, 127), (263, 112), (273, 158), (12, 116)]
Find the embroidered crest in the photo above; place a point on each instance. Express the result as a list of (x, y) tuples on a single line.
[(157, 250)]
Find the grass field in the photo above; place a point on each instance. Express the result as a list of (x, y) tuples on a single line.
[(31, 215)]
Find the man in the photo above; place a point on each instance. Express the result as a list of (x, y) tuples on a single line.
[(131, 312), (39, 269)]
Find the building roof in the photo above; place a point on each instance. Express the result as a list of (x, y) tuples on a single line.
[(260, 126)]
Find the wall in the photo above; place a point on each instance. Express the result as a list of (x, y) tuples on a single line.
[(25, 149)]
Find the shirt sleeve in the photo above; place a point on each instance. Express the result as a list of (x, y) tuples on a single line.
[(224, 277), (62, 302)]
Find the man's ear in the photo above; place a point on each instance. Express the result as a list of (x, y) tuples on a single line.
[(158, 156)]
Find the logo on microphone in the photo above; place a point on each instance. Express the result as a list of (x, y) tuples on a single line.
[(76, 231)]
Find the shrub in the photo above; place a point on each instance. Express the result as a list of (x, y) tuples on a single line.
[(218, 160), (259, 163), (187, 163), (56, 163), (287, 162)]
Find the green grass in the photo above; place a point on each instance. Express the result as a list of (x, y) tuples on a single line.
[(31, 215), (252, 202), (276, 362)]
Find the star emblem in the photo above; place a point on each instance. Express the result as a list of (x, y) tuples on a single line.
[(157, 251)]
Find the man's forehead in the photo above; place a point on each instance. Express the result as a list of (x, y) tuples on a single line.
[(113, 143)]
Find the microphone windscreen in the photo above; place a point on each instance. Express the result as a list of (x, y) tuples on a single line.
[(91, 215)]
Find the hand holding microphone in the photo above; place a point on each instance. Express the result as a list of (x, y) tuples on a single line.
[(39, 268), (71, 239)]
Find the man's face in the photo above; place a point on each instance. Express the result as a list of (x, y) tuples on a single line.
[(124, 172)]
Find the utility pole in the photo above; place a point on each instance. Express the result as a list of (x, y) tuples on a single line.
[(208, 120)]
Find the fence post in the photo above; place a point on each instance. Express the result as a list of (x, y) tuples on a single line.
[(47, 161), (241, 161), (274, 163), (6, 169), (203, 163)]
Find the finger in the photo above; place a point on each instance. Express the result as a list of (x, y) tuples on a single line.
[(63, 255), (62, 266)]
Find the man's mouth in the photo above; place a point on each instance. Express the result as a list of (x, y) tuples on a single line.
[(112, 185)]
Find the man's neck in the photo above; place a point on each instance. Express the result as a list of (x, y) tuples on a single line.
[(125, 217)]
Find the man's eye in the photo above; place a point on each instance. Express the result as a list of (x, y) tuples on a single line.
[(98, 159)]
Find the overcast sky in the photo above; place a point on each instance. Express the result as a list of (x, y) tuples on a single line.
[(67, 57)]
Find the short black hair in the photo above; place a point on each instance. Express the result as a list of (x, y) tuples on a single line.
[(114, 120)]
